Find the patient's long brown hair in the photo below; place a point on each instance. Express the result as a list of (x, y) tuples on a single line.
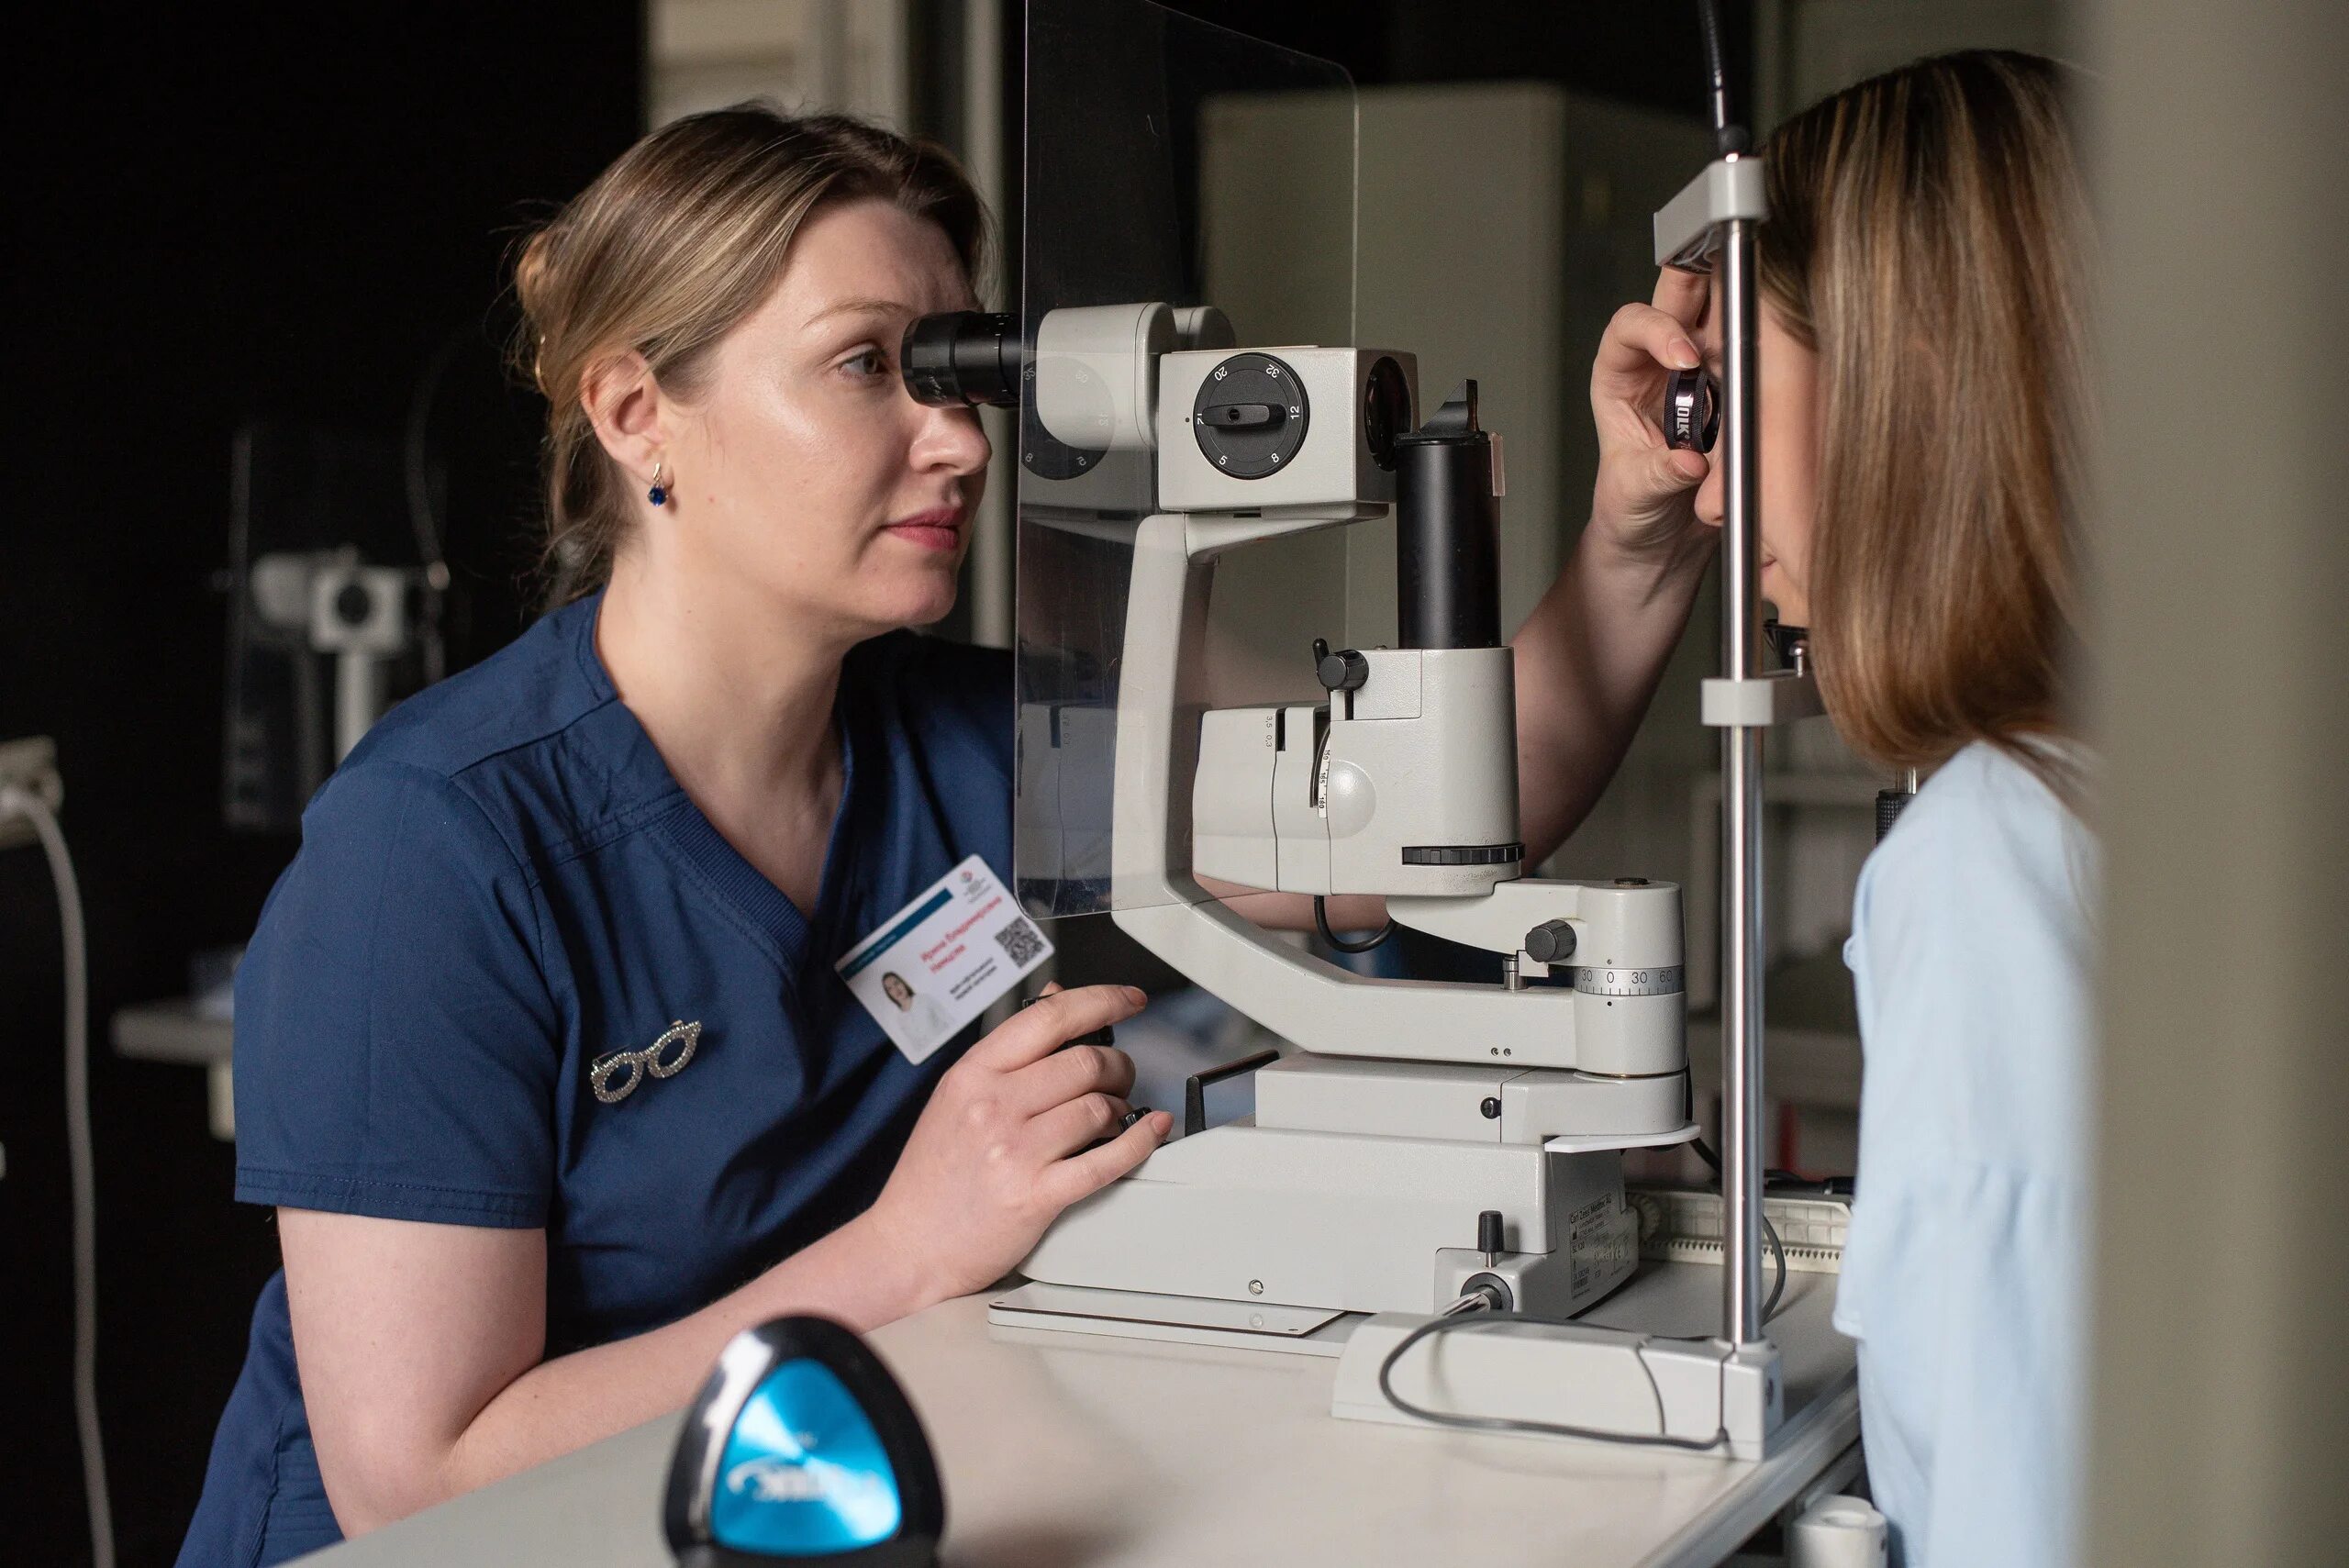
[(1928, 237)]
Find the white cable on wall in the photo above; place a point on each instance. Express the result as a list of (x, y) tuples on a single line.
[(15, 801)]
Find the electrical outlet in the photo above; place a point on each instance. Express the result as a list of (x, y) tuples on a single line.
[(31, 765)]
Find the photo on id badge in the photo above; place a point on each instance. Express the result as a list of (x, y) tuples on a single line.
[(944, 958)]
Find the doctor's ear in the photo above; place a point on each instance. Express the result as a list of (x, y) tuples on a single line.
[(627, 406)]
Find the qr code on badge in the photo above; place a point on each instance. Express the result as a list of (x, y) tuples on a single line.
[(1020, 942)]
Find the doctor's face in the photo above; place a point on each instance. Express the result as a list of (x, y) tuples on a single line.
[(1788, 455), (802, 466)]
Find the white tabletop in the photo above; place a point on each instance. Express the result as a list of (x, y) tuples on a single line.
[(1060, 1450)]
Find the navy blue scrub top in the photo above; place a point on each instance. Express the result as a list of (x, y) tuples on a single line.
[(500, 884)]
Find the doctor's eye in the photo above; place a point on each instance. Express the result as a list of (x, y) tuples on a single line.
[(866, 362)]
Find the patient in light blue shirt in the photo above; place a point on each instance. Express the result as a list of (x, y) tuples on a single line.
[(1964, 1273), (1921, 411)]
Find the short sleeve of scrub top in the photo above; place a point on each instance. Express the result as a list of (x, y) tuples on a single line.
[(1972, 954), (503, 885), (403, 1054)]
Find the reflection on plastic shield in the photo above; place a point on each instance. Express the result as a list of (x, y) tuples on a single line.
[(804, 1472), (1167, 161)]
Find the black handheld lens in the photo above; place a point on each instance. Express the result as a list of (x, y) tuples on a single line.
[(1692, 411), (967, 357)]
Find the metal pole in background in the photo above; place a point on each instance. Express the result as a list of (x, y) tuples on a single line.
[(1742, 931), (983, 158)]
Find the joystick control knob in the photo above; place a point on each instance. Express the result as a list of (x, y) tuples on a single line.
[(1344, 671), (1551, 941)]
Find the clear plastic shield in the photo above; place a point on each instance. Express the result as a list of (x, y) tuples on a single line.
[(1173, 163)]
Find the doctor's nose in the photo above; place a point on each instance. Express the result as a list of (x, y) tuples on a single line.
[(953, 440)]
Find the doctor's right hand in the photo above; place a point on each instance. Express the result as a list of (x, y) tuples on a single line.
[(1643, 504), (1006, 1141)]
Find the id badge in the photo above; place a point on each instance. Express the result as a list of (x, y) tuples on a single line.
[(944, 958)]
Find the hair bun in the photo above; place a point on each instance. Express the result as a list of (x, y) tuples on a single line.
[(534, 286), (534, 275)]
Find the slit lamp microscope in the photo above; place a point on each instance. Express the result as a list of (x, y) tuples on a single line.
[(1428, 1147)]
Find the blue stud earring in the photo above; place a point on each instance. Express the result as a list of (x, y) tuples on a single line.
[(659, 494)]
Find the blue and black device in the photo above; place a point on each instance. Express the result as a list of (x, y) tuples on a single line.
[(801, 1447)]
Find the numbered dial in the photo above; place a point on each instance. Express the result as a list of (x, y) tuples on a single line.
[(1251, 416), (1600, 979), (1040, 452)]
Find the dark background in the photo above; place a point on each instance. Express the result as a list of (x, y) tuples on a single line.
[(242, 213), (233, 217)]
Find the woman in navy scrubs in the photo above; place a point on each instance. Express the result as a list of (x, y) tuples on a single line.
[(541, 1059)]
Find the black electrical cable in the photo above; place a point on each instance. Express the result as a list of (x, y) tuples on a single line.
[(1516, 1424), (1728, 134), (1658, 1439), (1321, 924)]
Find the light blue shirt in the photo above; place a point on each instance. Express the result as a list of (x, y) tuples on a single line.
[(1967, 1262)]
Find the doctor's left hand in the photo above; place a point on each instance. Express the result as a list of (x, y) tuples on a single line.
[(1643, 502), (1003, 1145)]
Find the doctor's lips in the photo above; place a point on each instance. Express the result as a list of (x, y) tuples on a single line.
[(940, 528)]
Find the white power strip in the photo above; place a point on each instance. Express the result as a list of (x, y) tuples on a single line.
[(1683, 1225)]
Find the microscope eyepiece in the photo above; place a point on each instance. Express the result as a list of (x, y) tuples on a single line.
[(968, 357)]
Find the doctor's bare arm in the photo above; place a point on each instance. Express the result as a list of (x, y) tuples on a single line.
[(421, 1345)]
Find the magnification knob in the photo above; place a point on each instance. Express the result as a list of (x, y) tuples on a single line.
[(1344, 671), (1551, 941), (1251, 416)]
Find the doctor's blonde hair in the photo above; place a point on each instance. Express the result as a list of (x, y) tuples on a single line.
[(671, 248), (1928, 237)]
